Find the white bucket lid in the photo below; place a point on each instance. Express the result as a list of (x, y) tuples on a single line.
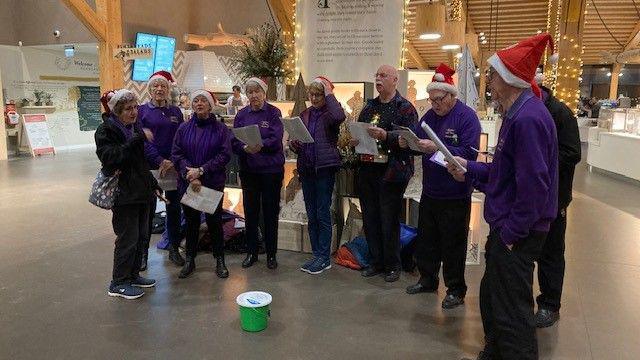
[(254, 299)]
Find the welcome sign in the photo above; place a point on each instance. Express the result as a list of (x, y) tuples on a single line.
[(347, 40)]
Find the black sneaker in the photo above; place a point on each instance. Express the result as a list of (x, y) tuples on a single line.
[(175, 257), (370, 271), (419, 288), (125, 291), (392, 276), (142, 282), (545, 318), (451, 301)]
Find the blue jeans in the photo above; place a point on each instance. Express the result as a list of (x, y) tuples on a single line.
[(317, 191)]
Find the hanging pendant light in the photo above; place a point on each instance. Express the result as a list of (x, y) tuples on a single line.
[(453, 37), (430, 20)]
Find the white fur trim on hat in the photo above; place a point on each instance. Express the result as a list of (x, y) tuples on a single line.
[(435, 85), (256, 81), (438, 77), (507, 75), (206, 94), (539, 78), (117, 96)]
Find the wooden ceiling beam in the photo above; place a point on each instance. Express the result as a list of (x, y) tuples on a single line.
[(634, 38), (416, 57), (89, 18)]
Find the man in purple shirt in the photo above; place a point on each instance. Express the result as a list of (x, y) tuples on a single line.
[(521, 187), (445, 205), (163, 120)]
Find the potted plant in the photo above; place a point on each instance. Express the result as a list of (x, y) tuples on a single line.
[(48, 99), (39, 95), (264, 57), (25, 102)]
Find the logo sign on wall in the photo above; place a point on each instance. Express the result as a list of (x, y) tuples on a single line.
[(347, 40)]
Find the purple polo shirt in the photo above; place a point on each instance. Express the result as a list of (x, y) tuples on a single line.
[(460, 131), (271, 158), (163, 121), (521, 184)]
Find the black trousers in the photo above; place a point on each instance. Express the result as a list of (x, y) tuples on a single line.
[(381, 204), (172, 221), (131, 226), (214, 224), (506, 297), (261, 190), (551, 264), (443, 228)]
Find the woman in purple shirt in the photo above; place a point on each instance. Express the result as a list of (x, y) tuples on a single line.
[(317, 166), (201, 151), (261, 171)]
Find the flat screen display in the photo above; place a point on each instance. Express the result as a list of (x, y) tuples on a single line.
[(163, 48)]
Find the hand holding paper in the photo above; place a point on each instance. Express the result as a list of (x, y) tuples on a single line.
[(168, 181), (366, 144), (250, 135), (297, 130), (443, 148), (206, 199)]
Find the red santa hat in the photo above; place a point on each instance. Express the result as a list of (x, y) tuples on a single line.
[(256, 81), (517, 64), (443, 80), (104, 99), (211, 97), (163, 76), (319, 80), (119, 95)]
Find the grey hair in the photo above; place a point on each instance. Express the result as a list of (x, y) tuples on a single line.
[(317, 86), (124, 99)]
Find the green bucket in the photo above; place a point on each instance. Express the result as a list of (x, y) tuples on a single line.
[(254, 310)]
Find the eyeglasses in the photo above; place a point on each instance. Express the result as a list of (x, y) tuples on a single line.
[(489, 75), (438, 100), (382, 75)]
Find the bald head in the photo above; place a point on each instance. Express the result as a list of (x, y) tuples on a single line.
[(386, 81)]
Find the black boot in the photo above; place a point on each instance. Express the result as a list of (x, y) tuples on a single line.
[(221, 268), (175, 257), (249, 260), (188, 268), (271, 262), (143, 263)]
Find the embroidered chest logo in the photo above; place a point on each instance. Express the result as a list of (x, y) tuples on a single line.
[(264, 124), (500, 145), (451, 135), (174, 119)]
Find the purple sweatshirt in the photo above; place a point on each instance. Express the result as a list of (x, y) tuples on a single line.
[(270, 159), (460, 131), (202, 143), (521, 184), (163, 123)]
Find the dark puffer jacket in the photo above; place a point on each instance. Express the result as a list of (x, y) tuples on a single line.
[(323, 152), (569, 151), (136, 185)]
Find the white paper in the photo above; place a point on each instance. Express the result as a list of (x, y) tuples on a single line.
[(410, 136), (169, 182), (206, 200), (438, 158), (367, 144), (296, 130), (249, 135), (447, 154)]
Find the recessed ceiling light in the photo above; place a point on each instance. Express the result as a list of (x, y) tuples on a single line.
[(451, 47), (432, 36)]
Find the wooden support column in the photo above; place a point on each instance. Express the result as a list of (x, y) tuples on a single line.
[(615, 76), (571, 27), (106, 25), (482, 88)]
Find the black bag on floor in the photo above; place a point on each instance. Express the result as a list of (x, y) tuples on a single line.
[(157, 223)]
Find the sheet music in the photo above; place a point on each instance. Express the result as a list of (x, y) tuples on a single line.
[(249, 135), (367, 144), (169, 182), (410, 136), (296, 130), (447, 154), (206, 200)]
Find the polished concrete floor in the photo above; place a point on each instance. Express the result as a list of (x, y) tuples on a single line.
[(55, 263)]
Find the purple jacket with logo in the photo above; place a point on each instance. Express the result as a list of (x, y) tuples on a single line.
[(202, 143), (521, 184), (460, 131), (324, 127), (163, 123), (270, 159)]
